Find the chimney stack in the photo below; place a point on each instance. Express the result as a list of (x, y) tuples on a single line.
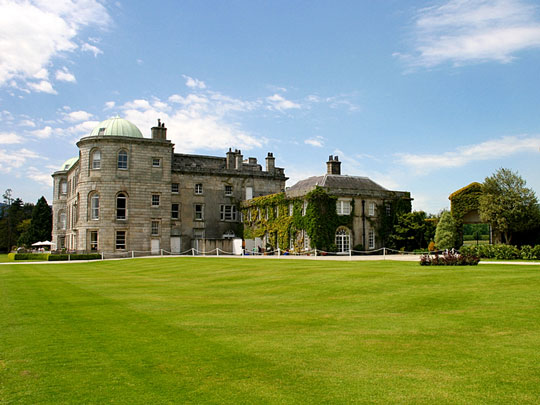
[(333, 166), (239, 160), (230, 159), (270, 163), (159, 132)]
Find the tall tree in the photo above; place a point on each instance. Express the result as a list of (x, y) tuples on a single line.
[(507, 204), (41, 227), (446, 235), (413, 230)]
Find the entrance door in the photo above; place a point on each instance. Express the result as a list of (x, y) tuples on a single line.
[(155, 246), (175, 244)]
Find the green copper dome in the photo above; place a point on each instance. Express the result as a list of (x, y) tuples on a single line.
[(68, 163), (117, 127)]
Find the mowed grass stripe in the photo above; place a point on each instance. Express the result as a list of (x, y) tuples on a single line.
[(258, 331)]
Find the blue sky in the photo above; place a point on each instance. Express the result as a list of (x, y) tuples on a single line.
[(421, 96)]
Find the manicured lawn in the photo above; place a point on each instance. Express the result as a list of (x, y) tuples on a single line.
[(205, 330), (4, 258)]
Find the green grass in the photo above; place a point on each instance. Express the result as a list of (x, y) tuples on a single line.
[(204, 330), (4, 258)]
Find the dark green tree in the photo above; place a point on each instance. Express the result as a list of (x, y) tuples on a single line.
[(413, 230), (507, 204), (40, 226)]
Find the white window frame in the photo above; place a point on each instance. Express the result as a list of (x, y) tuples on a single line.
[(291, 209), (371, 209), (122, 160), (154, 228), (95, 159), (155, 200), (62, 220), (228, 190), (371, 239), (156, 162), (228, 213), (177, 211), (118, 240), (343, 240), (198, 189), (198, 214), (94, 242), (120, 197), (343, 207), (94, 206), (175, 188)]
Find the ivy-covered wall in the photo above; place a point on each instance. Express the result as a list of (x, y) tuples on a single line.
[(462, 202), (270, 215)]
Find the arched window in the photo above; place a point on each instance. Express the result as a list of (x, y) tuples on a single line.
[(343, 240), (62, 220), (122, 159), (94, 206), (121, 206), (95, 159)]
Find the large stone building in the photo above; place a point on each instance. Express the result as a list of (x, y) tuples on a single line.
[(347, 212), (126, 192)]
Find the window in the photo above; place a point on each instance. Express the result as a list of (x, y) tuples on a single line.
[(155, 200), (174, 188), (276, 212), (249, 193), (198, 188), (62, 242), (227, 213), (343, 207), (175, 211), (229, 235), (94, 206), (101, 131), (228, 191), (291, 209), (121, 240), (62, 220), (121, 206), (306, 241), (63, 187), (371, 210), (371, 239), (343, 240), (199, 212), (155, 228), (122, 159), (304, 208), (94, 240), (388, 210), (156, 162), (95, 159)]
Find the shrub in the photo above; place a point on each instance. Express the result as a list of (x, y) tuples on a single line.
[(449, 259), (75, 256), (31, 256)]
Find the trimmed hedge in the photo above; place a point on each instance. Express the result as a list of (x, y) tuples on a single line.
[(449, 259), (31, 256), (74, 256), (500, 252)]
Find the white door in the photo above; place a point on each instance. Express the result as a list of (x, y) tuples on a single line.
[(249, 193), (175, 244), (155, 246)]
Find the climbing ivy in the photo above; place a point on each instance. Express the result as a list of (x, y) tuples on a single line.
[(388, 213), (462, 202), (270, 215)]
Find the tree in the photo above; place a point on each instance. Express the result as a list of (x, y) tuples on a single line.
[(507, 204), (413, 230), (41, 227), (446, 235)]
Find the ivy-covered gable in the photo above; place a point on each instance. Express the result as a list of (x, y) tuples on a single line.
[(465, 200)]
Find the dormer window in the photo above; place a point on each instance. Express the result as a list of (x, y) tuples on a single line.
[(101, 131)]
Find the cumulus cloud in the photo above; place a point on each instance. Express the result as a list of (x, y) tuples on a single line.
[(91, 48), (7, 138), (10, 160), (109, 105), (194, 83), (317, 141), (64, 75), (42, 133), (492, 149), (39, 176), (472, 31), (76, 116), (34, 32), (280, 103)]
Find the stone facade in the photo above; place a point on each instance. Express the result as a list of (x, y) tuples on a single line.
[(129, 193)]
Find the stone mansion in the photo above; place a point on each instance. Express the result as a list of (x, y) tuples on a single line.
[(126, 193)]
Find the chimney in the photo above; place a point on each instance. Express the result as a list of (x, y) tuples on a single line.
[(333, 166), (270, 163), (230, 159), (239, 159), (159, 132)]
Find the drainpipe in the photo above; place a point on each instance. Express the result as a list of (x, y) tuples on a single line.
[(364, 224)]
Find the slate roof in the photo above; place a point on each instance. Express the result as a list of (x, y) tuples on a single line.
[(339, 185)]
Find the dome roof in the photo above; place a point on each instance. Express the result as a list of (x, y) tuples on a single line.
[(68, 163), (116, 126)]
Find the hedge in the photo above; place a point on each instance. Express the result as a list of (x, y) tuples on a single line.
[(31, 256), (503, 252), (81, 256)]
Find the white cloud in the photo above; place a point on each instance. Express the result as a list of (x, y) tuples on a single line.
[(39, 176), (493, 149), (43, 86), (34, 32), (27, 123), (318, 141), (472, 31), (76, 116), (42, 133), (194, 83), (279, 103), (9, 138), (10, 160), (80, 129), (91, 48), (65, 75), (109, 105)]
